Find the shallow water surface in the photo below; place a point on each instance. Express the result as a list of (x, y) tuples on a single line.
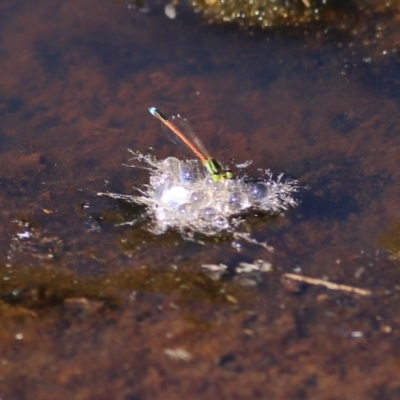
[(93, 307)]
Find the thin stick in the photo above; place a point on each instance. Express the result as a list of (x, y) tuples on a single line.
[(327, 284)]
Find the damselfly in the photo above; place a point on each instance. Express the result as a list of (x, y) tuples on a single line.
[(180, 128)]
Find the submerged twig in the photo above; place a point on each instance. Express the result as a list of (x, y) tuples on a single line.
[(327, 284)]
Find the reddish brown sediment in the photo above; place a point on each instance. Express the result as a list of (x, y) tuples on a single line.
[(82, 318)]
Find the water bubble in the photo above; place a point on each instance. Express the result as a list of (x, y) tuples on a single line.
[(186, 212), (188, 172), (199, 198), (163, 179), (207, 213), (171, 166), (233, 185), (221, 223), (257, 191), (208, 181), (174, 196), (161, 214), (216, 187), (160, 227), (238, 201), (156, 180), (218, 191), (160, 189)]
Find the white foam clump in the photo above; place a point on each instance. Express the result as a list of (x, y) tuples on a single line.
[(182, 195)]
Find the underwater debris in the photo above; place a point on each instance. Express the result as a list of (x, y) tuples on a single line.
[(324, 283), (178, 354), (269, 13), (391, 241), (32, 240), (247, 270)]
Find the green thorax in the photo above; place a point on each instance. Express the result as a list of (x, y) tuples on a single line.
[(216, 171)]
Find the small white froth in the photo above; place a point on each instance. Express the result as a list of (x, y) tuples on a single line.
[(182, 196)]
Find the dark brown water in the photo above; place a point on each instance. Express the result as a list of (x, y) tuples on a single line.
[(92, 310)]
